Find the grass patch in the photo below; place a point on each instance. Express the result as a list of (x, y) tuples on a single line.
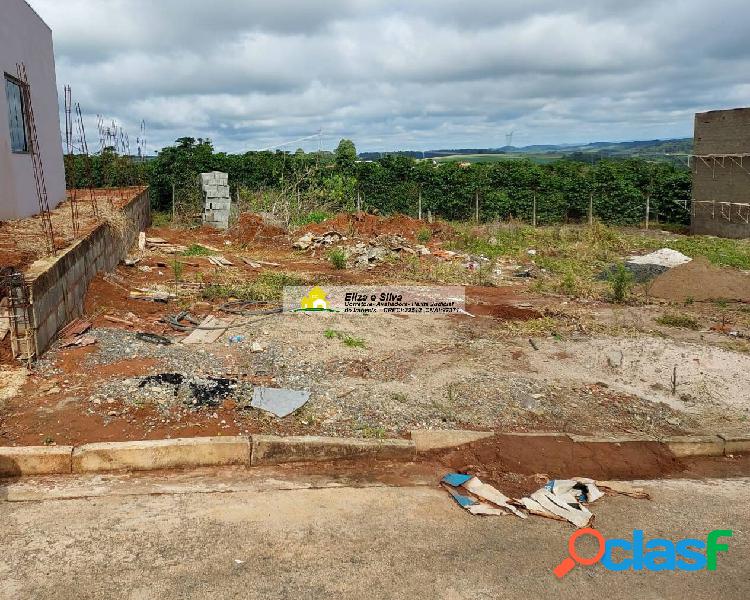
[(198, 250), (678, 320), (337, 258), (347, 339), (315, 216), (160, 219), (424, 235), (267, 287)]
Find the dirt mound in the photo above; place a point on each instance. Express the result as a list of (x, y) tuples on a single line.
[(700, 280), (513, 463), (251, 227), (367, 225)]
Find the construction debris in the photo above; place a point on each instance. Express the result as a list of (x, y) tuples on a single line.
[(278, 401), (310, 240), (4, 319), (152, 295), (210, 330), (559, 499), (650, 265), (220, 261), (78, 342), (162, 245)]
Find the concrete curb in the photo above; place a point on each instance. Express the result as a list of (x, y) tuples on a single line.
[(273, 450), (35, 460), (161, 454), (270, 450)]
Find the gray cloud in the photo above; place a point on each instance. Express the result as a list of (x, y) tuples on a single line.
[(419, 74)]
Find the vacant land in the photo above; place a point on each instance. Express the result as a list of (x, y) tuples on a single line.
[(552, 338)]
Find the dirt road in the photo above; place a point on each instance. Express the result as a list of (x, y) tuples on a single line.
[(266, 534)]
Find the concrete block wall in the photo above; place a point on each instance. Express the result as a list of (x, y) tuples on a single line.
[(218, 202), (58, 285), (721, 185)]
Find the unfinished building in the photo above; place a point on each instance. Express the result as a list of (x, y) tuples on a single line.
[(721, 174), (29, 116)]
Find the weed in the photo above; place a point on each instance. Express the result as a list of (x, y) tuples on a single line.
[(424, 235), (347, 339), (314, 216), (267, 287), (620, 279), (337, 258), (689, 300), (198, 250), (721, 303), (177, 270), (678, 320), (376, 432), (160, 219), (399, 397)]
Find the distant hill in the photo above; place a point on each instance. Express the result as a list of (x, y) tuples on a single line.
[(652, 149)]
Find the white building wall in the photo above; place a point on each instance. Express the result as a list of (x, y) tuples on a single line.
[(24, 37)]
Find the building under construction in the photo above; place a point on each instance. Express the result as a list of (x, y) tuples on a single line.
[(721, 173)]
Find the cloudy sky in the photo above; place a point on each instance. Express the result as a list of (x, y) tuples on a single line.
[(409, 74)]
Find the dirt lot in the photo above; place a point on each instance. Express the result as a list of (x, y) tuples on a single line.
[(521, 360)]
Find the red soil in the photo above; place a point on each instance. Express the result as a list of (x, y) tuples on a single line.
[(367, 225)]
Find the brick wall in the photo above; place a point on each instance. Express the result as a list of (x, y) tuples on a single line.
[(721, 185), (57, 289)]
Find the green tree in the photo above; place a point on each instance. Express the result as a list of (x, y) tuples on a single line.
[(346, 155)]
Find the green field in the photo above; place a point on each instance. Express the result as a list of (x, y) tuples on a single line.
[(540, 159)]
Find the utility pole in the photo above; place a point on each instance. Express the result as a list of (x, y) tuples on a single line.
[(173, 208), (533, 212), (591, 208), (648, 208), (476, 205), (419, 203)]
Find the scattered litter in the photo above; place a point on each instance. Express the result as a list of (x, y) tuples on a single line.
[(79, 342), (278, 401), (256, 347), (152, 338), (481, 490), (237, 561), (531, 252), (236, 339), (131, 262), (559, 499), (142, 241), (200, 391)]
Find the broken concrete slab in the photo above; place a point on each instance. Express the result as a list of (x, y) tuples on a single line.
[(279, 401)]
